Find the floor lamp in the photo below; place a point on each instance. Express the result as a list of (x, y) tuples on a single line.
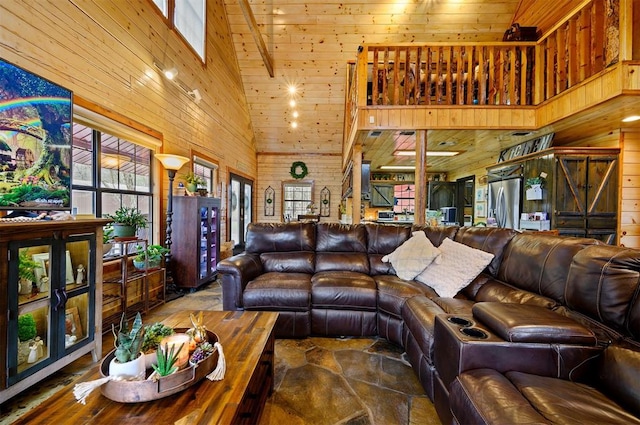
[(171, 163)]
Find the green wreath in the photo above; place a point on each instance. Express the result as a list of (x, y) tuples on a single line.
[(298, 174)]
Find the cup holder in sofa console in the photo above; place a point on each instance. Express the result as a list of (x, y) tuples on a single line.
[(474, 333), (460, 321)]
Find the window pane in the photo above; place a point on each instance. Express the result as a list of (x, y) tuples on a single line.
[(189, 19), (162, 5), (82, 168), (84, 201)]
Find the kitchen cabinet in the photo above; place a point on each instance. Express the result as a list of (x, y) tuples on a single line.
[(195, 248), (382, 195), (441, 194), (127, 289), (52, 315)]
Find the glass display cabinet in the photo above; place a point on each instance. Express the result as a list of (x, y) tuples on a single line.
[(50, 286)]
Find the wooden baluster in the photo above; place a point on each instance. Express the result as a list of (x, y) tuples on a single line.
[(597, 36), (456, 75), (561, 48), (418, 88), (501, 63), (481, 78), (524, 77), (439, 82), (449, 78), (584, 39), (551, 63), (470, 54), (513, 67), (428, 74), (396, 76), (572, 41), (385, 79), (492, 75), (374, 78)]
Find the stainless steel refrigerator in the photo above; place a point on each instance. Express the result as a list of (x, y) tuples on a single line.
[(505, 200)]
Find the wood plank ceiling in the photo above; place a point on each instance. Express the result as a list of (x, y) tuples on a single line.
[(310, 43)]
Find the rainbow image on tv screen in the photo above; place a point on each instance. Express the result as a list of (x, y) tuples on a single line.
[(35, 142)]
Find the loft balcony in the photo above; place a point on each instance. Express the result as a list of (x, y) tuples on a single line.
[(580, 69)]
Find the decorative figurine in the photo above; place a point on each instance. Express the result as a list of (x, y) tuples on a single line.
[(40, 346), (44, 284), (80, 274), (33, 352)]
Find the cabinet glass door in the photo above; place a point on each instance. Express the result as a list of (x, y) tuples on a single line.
[(204, 242), (30, 313), (213, 240), (77, 277)]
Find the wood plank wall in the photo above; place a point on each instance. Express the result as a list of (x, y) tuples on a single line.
[(324, 170), (630, 190), (105, 51)]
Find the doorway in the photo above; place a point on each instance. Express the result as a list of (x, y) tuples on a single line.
[(239, 210), (465, 194)]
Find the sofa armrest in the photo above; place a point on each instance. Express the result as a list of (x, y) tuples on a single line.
[(236, 272)]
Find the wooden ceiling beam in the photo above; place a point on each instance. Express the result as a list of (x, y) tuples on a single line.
[(257, 36)]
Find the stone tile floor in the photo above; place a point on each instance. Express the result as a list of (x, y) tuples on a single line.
[(350, 381)]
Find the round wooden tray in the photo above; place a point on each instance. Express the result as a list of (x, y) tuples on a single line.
[(149, 390)]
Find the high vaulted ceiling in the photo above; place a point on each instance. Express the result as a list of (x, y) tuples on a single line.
[(311, 43)]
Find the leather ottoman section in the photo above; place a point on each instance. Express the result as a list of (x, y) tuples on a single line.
[(421, 365), (390, 328), (460, 349), (278, 292), (419, 318), (326, 322), (343, 290), (531, 323), (293, 324), (485, 396), (393, 292)]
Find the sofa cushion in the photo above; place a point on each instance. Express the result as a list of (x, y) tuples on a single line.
[(393, 292), (540, 263), (381, 240), (279, 291), (619, 375), (456, 267), (339, 261), (343, 290), (495, 291), (413, 256), (566, 402), (335, 237), (489, 239), (283, 237), (288, 262), (531, 323), (603, 283)]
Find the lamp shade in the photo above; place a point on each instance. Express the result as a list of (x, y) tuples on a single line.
[(171, 162)]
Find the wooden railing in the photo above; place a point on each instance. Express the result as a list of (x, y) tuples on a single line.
[(490, 74)]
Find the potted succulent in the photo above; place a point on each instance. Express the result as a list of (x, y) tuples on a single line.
[(193, 181), (167, 358), (150, 257), (129, 358), (153, 334), (26, 272), (126, 222), (107, 237), (533, 187), (27, 331)]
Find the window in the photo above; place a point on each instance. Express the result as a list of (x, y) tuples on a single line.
[(110, 172), (297, 197), (404, 198), (208, 171), (188, 17)]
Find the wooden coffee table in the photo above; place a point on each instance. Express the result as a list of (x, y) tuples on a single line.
[(248, 343)]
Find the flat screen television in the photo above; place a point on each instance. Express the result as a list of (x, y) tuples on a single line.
[(35, 141)]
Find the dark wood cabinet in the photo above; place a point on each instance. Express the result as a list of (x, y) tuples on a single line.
[(195, 246), (382, 195), (586, 195), (441, 194)]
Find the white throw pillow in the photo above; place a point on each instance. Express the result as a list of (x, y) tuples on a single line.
[(413, 256), (458, 265)]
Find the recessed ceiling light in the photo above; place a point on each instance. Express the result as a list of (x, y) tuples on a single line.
[(295, 114), (294, 125), (398, 167), (292, 89), (631, 118), (292, 103)]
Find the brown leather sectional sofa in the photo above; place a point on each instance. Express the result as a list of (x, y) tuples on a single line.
[(549, 332)]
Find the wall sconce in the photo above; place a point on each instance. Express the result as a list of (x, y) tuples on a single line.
[(171, 163)]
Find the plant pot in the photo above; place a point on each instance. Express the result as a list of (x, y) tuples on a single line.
[(152, 264), (191, 187), (106, 247), (150, 358), (122, 231), (25, 287), (131, 369), (534, 193)]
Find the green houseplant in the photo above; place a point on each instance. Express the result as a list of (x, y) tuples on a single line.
[(26, 271), (152, 255), (128, 356), (167, 359), (193, 181), (127, 221)]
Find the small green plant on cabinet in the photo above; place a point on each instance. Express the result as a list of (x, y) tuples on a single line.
[(26, 327), (107, 234), (531, 181), (128, 217), (128, 343), (167, 358), (153, 334), (27, 266), (192, 178), (153, 253)]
